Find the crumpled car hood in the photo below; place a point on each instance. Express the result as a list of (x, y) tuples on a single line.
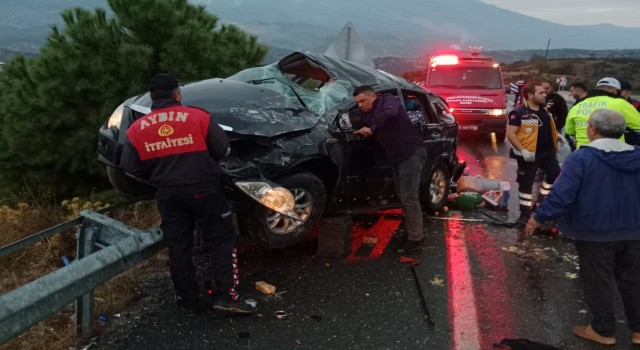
[(242, 108)]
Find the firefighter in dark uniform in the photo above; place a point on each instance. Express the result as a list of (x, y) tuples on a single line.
[(534, 137), (176, 148)]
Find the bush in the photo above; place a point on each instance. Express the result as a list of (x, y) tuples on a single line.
[(52, 105)]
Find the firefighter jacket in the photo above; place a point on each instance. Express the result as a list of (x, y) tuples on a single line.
[(175, 146), (595, 198), (598, 99), (528, 130)]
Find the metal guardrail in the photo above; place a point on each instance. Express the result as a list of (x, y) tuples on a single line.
[(106, 248), (28, 241)]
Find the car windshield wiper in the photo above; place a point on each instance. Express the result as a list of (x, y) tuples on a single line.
[(259, 81), (298, 96)]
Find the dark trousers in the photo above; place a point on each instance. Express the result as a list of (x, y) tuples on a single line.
[(407, 174), (603, 266), (526, 175), (180, 208)]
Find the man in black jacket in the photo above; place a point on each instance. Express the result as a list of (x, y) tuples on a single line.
[(176, 148), (556, 105), (389, 123), (578, 91)]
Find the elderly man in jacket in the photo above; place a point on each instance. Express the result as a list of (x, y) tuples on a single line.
[(595, 200)]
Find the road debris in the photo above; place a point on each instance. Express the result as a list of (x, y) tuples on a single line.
[(437, 282), (424, 300), (265, 287)]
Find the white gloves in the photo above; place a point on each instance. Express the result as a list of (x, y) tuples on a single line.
[(528, 156)]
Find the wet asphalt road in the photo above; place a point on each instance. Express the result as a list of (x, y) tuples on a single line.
[(481, 282)]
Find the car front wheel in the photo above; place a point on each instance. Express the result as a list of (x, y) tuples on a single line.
[(128, 185), (280, 230), (434, 187)]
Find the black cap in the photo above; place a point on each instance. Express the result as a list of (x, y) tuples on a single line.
[(624, 85), (163, 82)]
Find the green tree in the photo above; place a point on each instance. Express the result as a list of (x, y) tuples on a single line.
[(51, 106)]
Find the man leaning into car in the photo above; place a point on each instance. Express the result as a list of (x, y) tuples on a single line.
[(176, 148), (389, 123)]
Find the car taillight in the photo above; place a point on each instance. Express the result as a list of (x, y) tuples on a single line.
[(116, 117)]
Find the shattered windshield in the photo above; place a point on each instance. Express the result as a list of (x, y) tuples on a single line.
[(465, 77), (316, 96)]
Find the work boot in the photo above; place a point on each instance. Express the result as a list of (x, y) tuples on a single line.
[(411, 246), (523, 219), (226, 304), (635, 338), (191, 305), (589, 333)]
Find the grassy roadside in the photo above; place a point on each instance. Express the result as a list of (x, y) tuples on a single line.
[(34, 212)]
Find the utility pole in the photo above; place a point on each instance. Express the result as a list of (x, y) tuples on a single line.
[(547, 52)]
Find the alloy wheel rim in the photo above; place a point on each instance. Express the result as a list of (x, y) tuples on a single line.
[(437, 186), (282, 224)]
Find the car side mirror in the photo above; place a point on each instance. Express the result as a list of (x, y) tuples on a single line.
[(344, 123)]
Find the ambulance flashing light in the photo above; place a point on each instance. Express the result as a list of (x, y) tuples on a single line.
[(444, 60)]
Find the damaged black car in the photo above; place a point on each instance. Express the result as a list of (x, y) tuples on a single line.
[(294, 157)]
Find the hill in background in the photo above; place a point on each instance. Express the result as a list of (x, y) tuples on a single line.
[(409, 28)]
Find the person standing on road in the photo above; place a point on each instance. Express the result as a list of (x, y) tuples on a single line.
[(625, 92), (578, 91), (595, 200), (534, 139), (519, 99), (392, 128), (604, 96), (176, 148), (556, 105)]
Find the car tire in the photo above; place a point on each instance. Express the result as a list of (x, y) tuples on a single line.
[(311, 198), (128, 185), (500, 136), (434, 188)]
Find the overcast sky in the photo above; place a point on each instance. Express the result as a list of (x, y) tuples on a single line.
[(624, 13)]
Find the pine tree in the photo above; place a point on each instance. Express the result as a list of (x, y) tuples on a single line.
[(51, 106)]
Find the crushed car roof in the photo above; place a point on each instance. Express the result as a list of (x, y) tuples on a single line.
[(355, 73)]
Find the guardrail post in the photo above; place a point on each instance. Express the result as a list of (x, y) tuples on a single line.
[(86, 237), (115, 248)]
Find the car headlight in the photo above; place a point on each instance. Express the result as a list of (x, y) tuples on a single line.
[(278, 199), (116, 117), (497, 112)]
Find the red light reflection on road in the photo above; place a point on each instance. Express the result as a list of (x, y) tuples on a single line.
[(462, 305), (382, 230), (495, 311), (485, 303)]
